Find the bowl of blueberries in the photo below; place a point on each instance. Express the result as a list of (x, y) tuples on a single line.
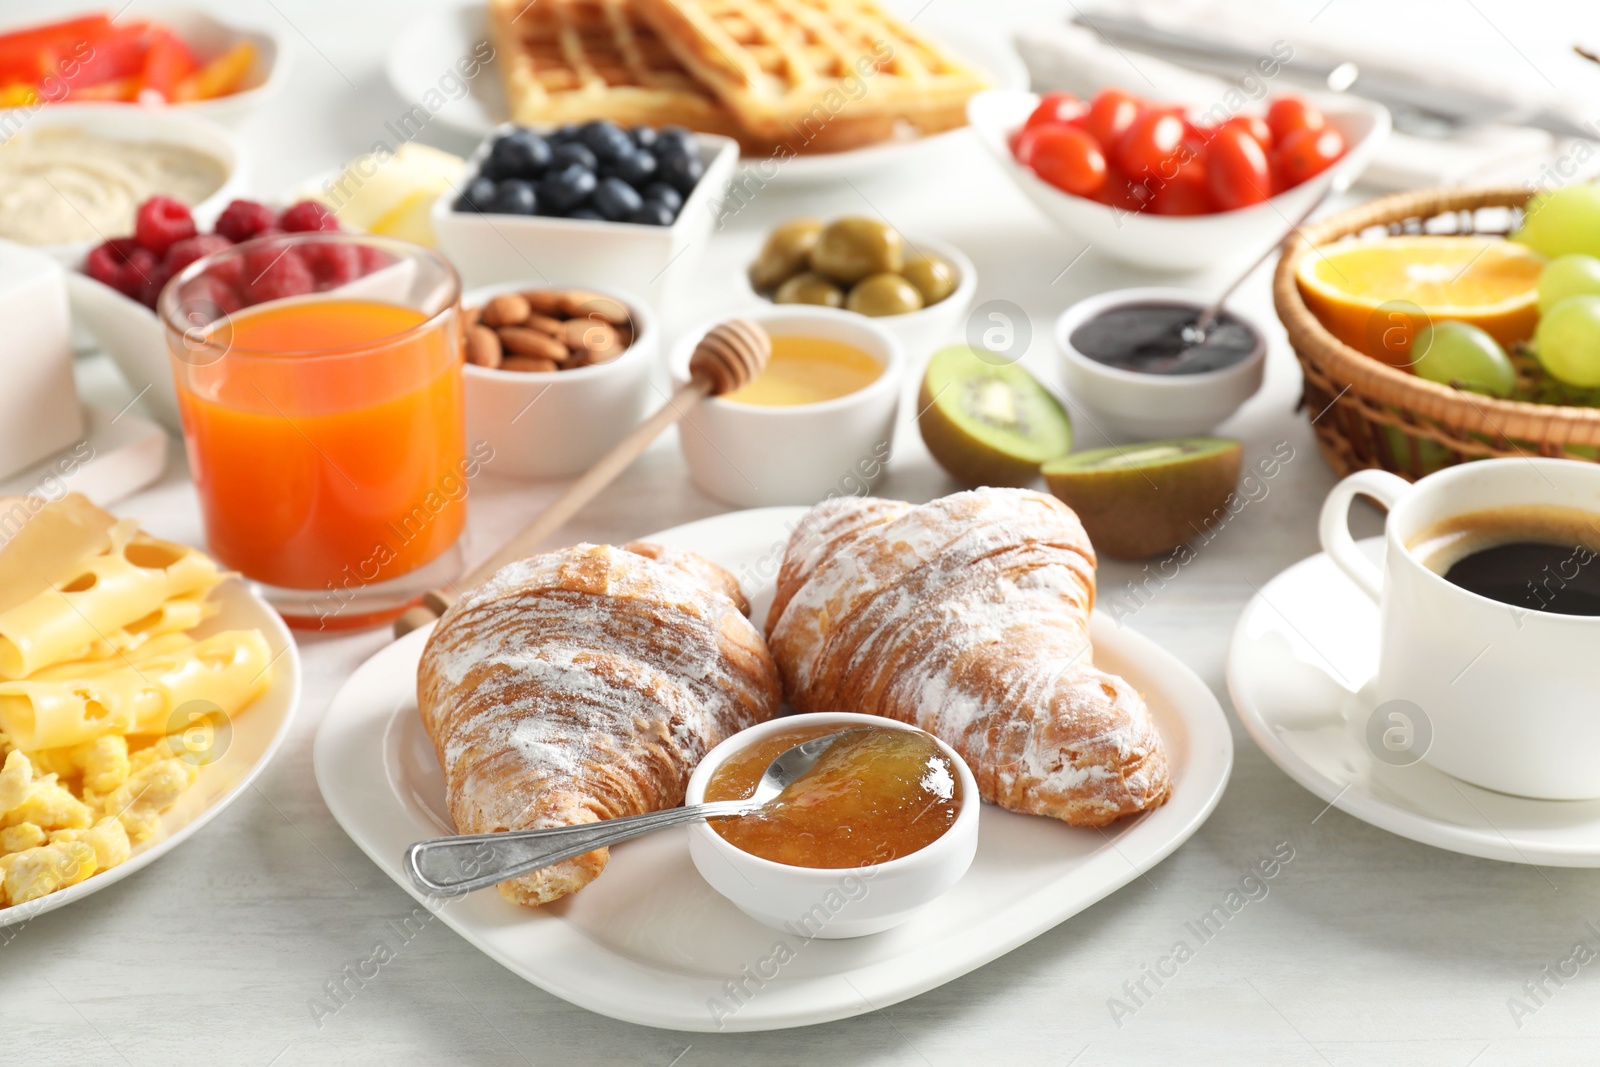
[(586, 204)]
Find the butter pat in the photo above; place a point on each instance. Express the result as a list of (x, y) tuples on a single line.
[(39, 410), (390, 193)]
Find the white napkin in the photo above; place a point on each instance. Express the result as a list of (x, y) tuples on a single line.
[(1076, 59)]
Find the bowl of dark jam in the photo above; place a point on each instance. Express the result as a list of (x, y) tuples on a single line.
[(1136, 360)]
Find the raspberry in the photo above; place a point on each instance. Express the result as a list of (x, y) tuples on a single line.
[(151, 286), (215, 291), (307, 216), (244, 219), (104, 264), (275, 273), (161, 222), (332, 263), (373, 258), (184, 252)]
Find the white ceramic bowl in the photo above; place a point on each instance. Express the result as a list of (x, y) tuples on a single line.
[(558, 424), (208, 37), (752, 456), (121, 122), (832, 902), (921, 333), (648, 260), (1178, 243), (1139, 406)]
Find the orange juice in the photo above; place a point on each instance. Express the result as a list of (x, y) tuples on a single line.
[(327, 442)]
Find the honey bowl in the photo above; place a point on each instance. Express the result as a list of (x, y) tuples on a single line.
[(796, 436), (852, 898)]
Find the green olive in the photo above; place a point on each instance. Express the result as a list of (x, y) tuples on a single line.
[(883, 294), (934, 278), (850, 249), (808, 288), (785, 254)]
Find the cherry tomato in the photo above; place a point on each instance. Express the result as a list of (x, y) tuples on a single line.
[(1185, 193), (1122, 192), (1306, 153), (1109, 117), (1148, 148), (1236, 170), (1069, 159), (1056, 107), (1022, 144), (1255, 126), (1290, 114)]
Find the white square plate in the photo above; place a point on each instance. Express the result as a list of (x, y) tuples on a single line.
[(649, 942)]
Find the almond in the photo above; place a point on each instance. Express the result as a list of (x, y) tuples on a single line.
[(544, 301), (587, 335), (526, 363), (507, 309), (525, 342), (581, 303), (483, 347), (545, 324)]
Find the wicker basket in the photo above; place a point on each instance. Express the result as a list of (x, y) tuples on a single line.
[(1368, 414)]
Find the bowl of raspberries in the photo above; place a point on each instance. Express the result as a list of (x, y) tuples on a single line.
[(114, 290)]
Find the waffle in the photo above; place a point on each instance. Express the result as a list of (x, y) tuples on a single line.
[(827, 73), (578, 60)]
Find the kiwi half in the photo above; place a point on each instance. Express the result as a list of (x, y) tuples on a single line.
[(1140, 500), (988, 423)]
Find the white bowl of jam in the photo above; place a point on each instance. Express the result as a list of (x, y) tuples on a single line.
[(884, 824), (1125, 356)]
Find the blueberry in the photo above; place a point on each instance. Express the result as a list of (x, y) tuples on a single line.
[(520, 154), (586, 213), (563, 133), (680, 172), (477, 196), (663, 193), (514, 196), (635, 168), (616, 199), (653, 213), (644, 136), (606, 139), (570, 153), (562, 190), (676, 141)]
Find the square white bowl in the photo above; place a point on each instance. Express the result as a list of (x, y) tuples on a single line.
[(1173, 242), (649, 260)]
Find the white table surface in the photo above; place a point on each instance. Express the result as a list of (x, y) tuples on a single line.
[(1369, 949)]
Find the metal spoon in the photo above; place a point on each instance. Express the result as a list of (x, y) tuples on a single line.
[(460, 864)]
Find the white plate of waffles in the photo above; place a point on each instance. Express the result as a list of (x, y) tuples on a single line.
[(649, 942), (449, 67)]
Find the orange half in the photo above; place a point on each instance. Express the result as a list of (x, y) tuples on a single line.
[(1376, 295)]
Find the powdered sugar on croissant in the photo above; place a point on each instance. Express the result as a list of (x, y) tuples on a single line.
[(586, 684), (969, 617)]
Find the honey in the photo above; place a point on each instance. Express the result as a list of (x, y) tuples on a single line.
[(869, 798), (809, 370)]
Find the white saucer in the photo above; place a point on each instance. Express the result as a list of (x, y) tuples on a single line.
[(1299, 669), (651, 943)]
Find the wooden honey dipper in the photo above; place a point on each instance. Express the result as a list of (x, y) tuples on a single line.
[(730, 355)]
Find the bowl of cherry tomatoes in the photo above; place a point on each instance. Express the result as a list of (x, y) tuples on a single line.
[(1169, 187)]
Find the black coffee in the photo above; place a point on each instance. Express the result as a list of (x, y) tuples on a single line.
[(1538, 558)]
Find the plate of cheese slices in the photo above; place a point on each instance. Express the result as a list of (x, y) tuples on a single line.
[(522, 693), (832, 95), (142, 689)]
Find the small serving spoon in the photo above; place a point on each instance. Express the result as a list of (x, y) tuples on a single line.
[(460, 864)]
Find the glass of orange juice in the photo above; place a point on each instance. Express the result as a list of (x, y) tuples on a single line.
[(319, 381)]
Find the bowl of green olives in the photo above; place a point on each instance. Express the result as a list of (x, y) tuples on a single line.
[(919, 288)]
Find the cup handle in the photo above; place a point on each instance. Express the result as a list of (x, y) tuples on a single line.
[(1334, 526)]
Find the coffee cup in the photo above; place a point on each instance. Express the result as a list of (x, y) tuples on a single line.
[(1502, 693)]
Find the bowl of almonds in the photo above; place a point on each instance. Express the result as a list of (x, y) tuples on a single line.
[(554, 376)]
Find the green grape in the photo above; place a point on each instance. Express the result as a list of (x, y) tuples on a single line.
[(1462, 355), (1567, 276), (1568, 341), (1563, 221)]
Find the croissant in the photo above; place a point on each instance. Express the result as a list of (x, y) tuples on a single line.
[(969, 617), (585, 684)]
